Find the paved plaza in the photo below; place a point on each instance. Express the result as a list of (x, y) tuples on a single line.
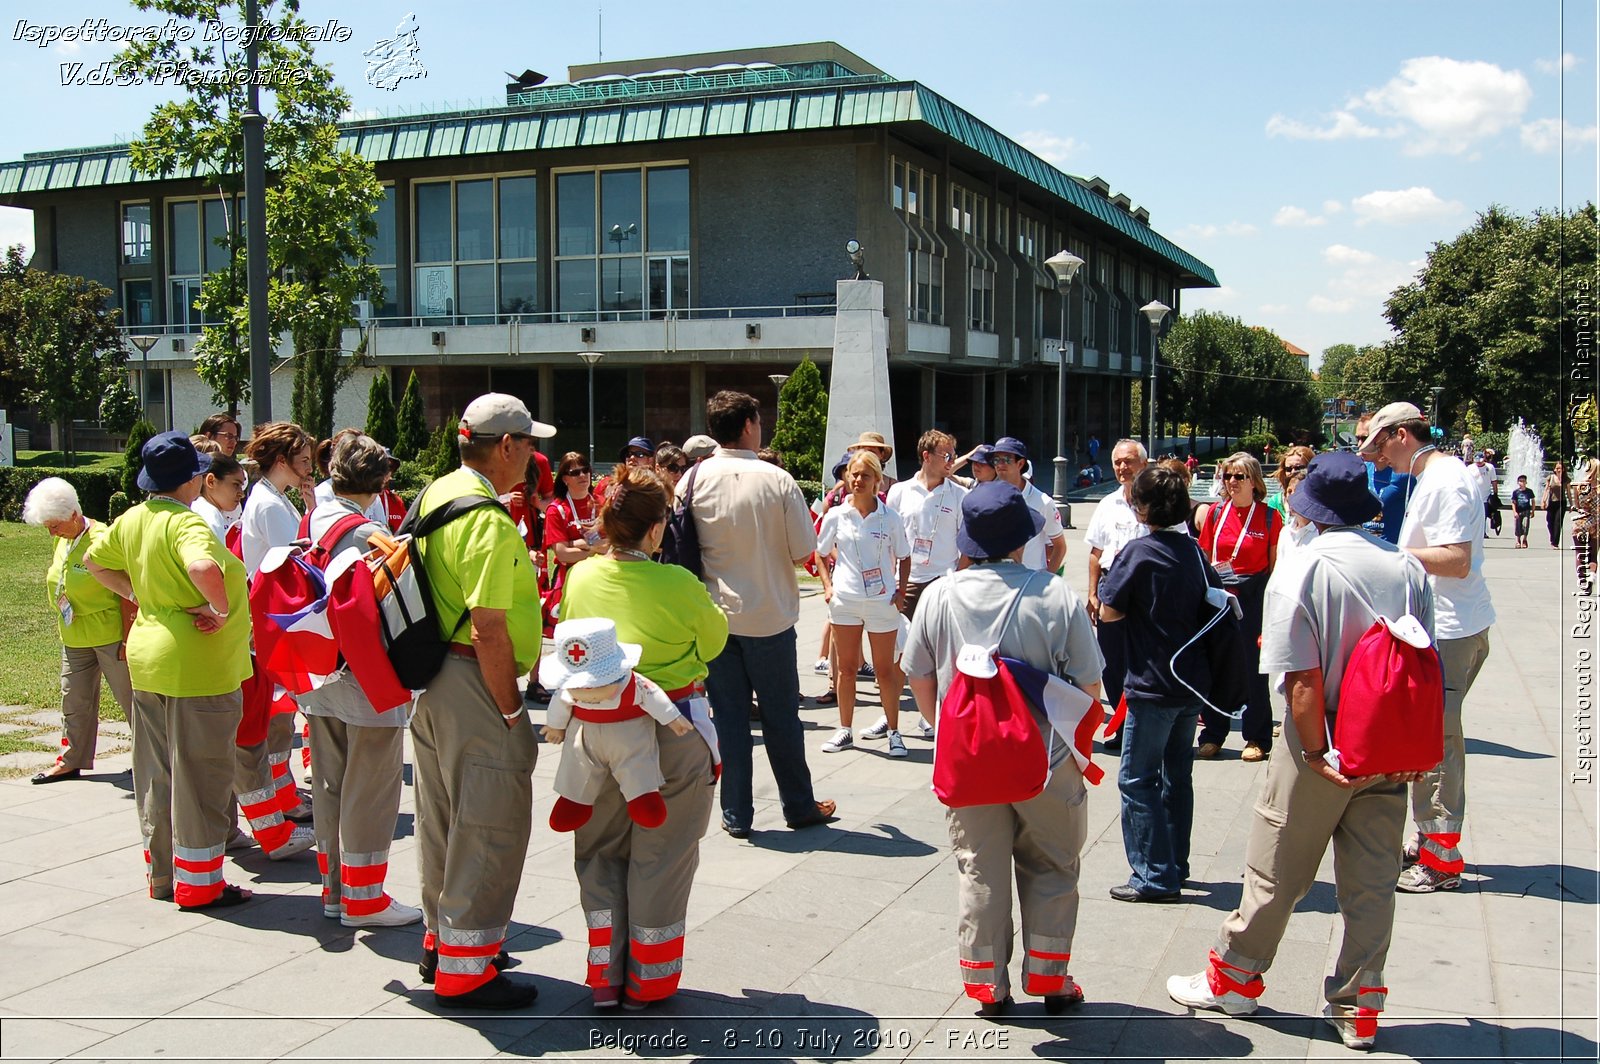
[(839, 942)]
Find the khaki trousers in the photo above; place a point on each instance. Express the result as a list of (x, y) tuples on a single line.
[(635, 881), (182, 772), (1298, 813), (355, 800), (280, 745), (593, 754), (258, 798), (474, 796), (81, 671), (1439, 799), (1041, 839)]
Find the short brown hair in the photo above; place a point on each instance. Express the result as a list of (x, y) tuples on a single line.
[(210, 425), (638, 499), (570, 462), (771, 457), (1247, 464), (1160, 496), (727, 413), (326, 448), (669, 455), (930, 442), (1178, 466), (276, 441)]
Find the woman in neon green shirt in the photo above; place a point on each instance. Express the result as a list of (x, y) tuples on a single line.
[(89, 620), (622, 868), (188, 652)]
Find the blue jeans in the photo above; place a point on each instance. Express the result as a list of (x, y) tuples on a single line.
[(766, 666), (1156, 780)]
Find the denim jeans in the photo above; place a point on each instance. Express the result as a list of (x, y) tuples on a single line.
[(1156, 780), (766, 666)]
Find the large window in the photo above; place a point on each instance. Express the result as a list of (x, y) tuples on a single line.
[(477, 245), (197, 232), (914, 194), (135, 234), (969, 215), (622, 242)]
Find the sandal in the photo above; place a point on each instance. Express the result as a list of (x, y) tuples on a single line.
[(1059, 1003), (830, 697), (230, 896)]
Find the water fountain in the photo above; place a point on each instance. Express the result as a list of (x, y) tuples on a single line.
[(1524, 457)]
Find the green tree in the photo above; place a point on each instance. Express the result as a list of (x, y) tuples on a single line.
[(411, 430), (802, 421), (318, 210), (138, 436), (62, 339), (120, 407), (380, 410)]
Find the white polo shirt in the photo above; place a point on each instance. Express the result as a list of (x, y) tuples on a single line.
[(932, 519), (1033, 555), (1446, 507), (1113, 526), (875, 542)]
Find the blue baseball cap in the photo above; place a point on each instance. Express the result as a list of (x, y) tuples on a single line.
[(995, 520), (168, 459), (981, 454), (1010, 445), (638, 443)]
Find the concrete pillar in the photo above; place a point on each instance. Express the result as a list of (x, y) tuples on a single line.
[(980, 422), (928, 398), (858, 393), (999, 396), (547, 394), (697, 398)]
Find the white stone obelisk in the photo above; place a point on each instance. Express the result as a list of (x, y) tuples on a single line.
[(858, 393)]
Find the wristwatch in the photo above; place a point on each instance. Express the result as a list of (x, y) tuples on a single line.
[(1314, 755)]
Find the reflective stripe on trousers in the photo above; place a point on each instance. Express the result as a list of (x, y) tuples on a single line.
[(464, 958), (599, 921), (197, 874), (978, 974), (1044, 964), (361, 878), (655, 961), (264, 812)]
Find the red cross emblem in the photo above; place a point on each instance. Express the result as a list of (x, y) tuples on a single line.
[(577, 653)]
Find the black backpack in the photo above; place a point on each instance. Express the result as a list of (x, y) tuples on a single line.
[(680, 543), (410, 619)]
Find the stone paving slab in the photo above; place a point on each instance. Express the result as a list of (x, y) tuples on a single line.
[(838, 942)]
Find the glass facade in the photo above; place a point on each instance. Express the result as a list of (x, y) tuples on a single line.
[(477, 243), (611, 226)]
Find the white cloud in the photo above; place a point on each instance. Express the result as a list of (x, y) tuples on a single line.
[(1039, 99), (1324, 305), (1332, 206), (1273, 308), (1450, 103), (1343, 126), (1545, 135), (1402, 206), (1296, 217), (1050, 147), (1340, 255), (1556, 66), (16, 227), (1234, 228)]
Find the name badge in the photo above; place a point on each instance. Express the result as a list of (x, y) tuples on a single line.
[(921, 551), (1225, 570), (65, 608), (872, 582)]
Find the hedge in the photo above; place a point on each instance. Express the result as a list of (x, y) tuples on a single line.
[(94, 488)]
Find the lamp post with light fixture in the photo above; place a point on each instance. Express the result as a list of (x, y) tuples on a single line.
[(1065, 266), (1156, 311), (144, 344), (590, 358)]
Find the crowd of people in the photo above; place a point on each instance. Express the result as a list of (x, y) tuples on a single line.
[(658, 672)]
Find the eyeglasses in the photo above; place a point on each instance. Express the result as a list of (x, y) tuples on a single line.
[(675, 468), (1293, 468), (1003, 459), (1236, 476), (225, 435), (943, 457), (578, 473), (639, 454)]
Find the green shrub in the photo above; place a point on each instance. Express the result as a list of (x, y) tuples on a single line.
[(94, 487), (811, 489), (381, 423), (802, 421), (117, 506), (1258, 443), (411, 430), (138, 436)]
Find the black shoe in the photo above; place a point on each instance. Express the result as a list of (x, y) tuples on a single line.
[(991, 1009), (430, 963), (1127, 893), (735, 831), (1056, 1004), (1112, 745), (499, 994), (57, 777)]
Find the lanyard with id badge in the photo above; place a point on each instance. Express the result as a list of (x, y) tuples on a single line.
[(872, 583), (63, 604), (1225, 569), (922, 542)]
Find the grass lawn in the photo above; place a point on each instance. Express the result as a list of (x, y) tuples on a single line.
[(57, 460)]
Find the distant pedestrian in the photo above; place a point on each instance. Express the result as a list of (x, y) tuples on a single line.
[(1522, 510), (1345, 577), (1094, 450), (1557, 492)]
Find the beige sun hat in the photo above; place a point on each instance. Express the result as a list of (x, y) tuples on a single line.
[(874, 440)]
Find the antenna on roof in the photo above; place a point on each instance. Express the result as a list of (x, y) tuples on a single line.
[(600, 33)]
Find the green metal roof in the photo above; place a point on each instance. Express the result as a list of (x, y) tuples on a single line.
[(754, 106)]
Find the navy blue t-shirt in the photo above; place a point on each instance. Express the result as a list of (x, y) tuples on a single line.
[(1393, 495), (1159, 584)]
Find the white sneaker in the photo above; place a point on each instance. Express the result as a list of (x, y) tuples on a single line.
[(238, 840), (924, 729), (333, 912), (821, 667), (1345, 1027), (897, 745), (1195, 992), (396, 915), (842, 740), (878, 730), (299, 842)]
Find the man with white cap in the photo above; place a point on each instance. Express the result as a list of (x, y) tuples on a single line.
[(1048, 548), (1443, 527), (474, 749)]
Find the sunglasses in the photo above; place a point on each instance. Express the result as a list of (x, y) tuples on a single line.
[(675, 468), (1236, 476), (578, 473), (1003, 459), (1293, 468), (639, 454)]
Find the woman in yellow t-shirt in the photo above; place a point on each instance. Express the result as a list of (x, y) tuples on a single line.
[(90, 621), (188, 652), (621, 867)]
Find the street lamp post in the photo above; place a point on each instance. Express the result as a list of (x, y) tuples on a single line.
[(1065, 266), (1437, 391), (590, 358), (1157, 312), (621, 234), (144, 344), (777, 380)]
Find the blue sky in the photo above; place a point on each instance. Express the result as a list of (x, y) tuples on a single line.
[(1310, 152)]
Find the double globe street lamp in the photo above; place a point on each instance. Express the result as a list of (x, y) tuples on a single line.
[(1065, 265)]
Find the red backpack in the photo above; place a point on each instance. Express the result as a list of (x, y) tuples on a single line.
[(1391, 700), (988, 749)]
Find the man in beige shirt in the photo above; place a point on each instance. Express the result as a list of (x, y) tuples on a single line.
[(754, 528)]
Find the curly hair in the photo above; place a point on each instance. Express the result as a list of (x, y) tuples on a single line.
[(637, 501), (277, 441)]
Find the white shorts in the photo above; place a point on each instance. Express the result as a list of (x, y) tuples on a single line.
[(878, 615)]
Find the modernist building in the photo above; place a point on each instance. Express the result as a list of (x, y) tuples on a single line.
[(687, 217)]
